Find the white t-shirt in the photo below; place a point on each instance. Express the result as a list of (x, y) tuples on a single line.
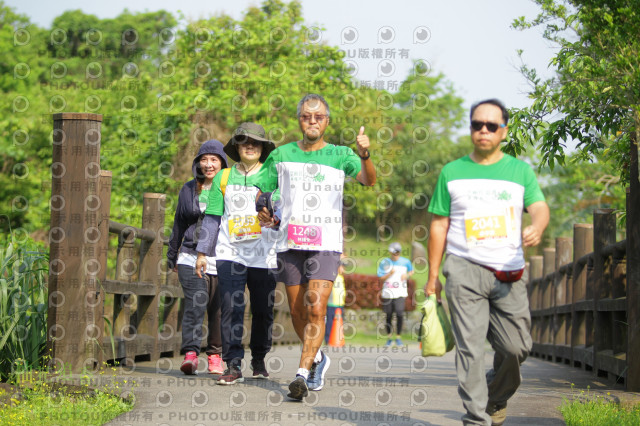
[(394, 286), (241, 239)]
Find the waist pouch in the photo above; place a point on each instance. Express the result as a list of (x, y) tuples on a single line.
[(506, 276)]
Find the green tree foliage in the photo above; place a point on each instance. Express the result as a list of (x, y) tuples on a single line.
[(165, 85), (594, 98), (576, 189), (413, 144)]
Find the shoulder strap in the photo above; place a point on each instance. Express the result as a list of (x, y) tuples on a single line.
[(224, 180)]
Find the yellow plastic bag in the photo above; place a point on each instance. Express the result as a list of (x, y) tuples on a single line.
[(435, 329)]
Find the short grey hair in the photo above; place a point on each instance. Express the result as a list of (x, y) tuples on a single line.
[(312, 97)]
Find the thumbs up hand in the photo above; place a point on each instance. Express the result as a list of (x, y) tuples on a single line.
[(362, 141)]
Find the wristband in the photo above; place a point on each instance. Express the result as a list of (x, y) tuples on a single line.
[(365, 157)]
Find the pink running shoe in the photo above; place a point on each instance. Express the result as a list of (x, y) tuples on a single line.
[(215, 364), (190, 364)]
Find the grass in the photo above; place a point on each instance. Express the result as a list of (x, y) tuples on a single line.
[(24, 268), (42, 403), (588, 409)]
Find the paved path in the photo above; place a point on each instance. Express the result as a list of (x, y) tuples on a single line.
[(364, 386)]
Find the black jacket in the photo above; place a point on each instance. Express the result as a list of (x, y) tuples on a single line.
[(188, 209)]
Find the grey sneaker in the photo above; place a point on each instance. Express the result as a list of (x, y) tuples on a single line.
[(298, 389), (498, 413), (317, 372)]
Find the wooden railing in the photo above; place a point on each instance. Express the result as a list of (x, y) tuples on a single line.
[(141, 287), (579, 303)]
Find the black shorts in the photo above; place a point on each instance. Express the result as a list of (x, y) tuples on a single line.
[(300, 266)]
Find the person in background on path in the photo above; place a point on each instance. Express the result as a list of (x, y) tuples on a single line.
[(201, 293), (245, 255), (393, 273), (477, 211), (309, 175), (336, 300)]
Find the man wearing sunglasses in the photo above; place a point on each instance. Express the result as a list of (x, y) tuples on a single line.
[(310, 176), (477, 211)]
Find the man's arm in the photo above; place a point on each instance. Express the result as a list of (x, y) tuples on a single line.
[(532, 234), (436, 246), (383, 278), (367, 174)]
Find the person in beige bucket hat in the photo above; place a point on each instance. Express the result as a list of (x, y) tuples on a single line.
[(248, 133), (245, 256)]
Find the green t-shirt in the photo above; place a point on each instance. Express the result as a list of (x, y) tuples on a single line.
[(311, 186), (485, 205)]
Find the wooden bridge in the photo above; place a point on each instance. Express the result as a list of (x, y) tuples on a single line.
[(584, 293)]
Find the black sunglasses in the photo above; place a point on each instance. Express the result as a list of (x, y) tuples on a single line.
[(492, 127)]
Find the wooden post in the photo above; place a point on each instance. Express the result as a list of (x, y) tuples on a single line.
[(548, 268), (126, 269), (74, 297), (604, 233), (99, 238), (151, 271), (582, 245), (560, 320), (633, 269), (564, 246), (546, 299), (171, 331), (535, 271)]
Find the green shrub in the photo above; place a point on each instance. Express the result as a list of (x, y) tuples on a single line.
[(587, 408), (23, 306), (43, 403)]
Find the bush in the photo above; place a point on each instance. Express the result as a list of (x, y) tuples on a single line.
[(23, 306)]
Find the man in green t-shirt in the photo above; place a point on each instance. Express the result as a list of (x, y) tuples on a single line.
[(309, 176), (477, 211)]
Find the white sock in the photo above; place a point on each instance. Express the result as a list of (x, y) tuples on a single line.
[(303, 372), (318, 357)]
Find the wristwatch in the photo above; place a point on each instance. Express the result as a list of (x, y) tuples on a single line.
[(366, 157)]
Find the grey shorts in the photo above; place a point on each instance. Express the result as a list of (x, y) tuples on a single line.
[(300, 266)]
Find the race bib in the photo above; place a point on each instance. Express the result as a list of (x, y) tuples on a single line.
[(304, 235), (484, 227), (244, 228)]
